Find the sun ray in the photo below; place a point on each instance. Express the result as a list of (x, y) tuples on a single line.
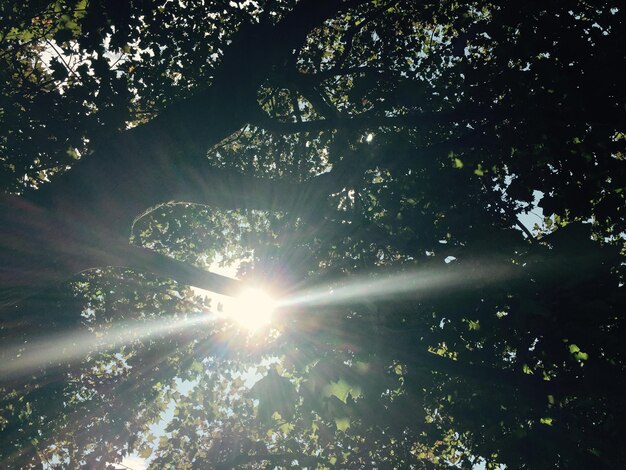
[(423, 281), (23, 359)]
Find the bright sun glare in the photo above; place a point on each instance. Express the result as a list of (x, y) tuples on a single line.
[(253, 309)]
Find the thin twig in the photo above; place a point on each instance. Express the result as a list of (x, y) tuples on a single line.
[(524, 229), (67, 66)]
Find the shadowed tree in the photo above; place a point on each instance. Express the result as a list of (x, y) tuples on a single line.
[(377, 164)]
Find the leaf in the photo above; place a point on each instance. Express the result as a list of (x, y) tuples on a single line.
[(341, 389), (275, 394), (573, 348), (59, 72), (197, 367), (579, 355), (144, 452), (63, 35), (342, 424)]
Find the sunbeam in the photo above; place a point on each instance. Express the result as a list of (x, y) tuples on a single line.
[(24, 359), (253, 309), (423, 281)]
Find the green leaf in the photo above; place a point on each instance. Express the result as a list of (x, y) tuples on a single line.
[(342, 423), (275, 394), (579, 355), (573, 348), (144, 452), (341, 389), (197, 367)]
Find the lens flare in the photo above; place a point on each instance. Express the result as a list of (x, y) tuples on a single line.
[(254, 309)]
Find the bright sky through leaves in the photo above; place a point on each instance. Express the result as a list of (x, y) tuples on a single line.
[(432, 193)]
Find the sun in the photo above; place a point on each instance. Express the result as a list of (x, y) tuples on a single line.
[(252, 309)]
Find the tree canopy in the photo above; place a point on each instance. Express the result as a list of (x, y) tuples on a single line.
[(434, 192)]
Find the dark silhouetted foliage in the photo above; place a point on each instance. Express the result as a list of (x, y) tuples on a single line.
[(451, 175)]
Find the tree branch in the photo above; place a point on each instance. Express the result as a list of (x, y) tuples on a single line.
[(144, 260), (77, 219)]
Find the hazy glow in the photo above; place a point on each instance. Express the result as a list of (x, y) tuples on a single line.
[(253, 309)]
